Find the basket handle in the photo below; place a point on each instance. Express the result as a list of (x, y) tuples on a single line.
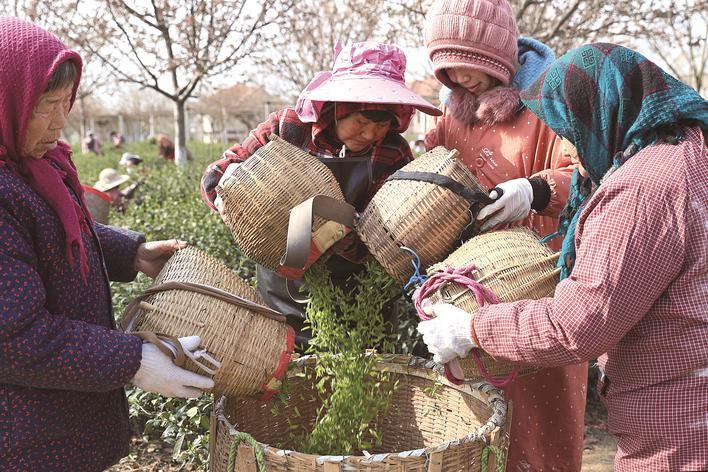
[(299, 240), (132, 312), (169, 345)]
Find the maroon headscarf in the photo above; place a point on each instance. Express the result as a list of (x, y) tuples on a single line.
[(29, 55)]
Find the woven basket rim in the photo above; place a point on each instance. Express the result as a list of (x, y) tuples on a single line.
[(410, 365)]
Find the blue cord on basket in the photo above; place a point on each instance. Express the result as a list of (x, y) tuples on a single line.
[(417, 279)]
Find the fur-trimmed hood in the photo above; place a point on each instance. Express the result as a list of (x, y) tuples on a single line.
[(497, 105)]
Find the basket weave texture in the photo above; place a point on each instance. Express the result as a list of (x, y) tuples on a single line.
[(422, 216), (446, 431), (249, 345), (514, 265), (258, 198)]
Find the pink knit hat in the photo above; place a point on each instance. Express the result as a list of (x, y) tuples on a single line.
[(479, 34), (363, 73)]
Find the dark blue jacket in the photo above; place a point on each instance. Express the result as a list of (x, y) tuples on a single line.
[(63, 365)]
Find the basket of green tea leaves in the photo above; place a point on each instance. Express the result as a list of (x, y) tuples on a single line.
[(359, 410)]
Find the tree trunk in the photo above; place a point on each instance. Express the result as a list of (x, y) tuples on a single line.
[(151, 125), (180, 134)]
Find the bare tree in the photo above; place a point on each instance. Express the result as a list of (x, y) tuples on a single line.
[(173, 47), (245, 104), (673, 30), (678, 35), (309, 31), (559, 23)]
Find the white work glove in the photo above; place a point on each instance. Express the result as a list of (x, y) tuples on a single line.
[(218, 202), (513, 205), (158, 373), (449, 334)]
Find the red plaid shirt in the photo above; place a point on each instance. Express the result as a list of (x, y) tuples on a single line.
[(637, 299), (315, 138)]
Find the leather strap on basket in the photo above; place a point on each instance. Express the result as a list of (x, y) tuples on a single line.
[(300, 226), (164, 343), (130, 312)]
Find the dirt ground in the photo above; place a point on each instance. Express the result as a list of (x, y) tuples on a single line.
[(600, 448), (600, 445)]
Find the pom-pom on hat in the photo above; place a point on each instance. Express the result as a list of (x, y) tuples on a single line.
[(478, 34)]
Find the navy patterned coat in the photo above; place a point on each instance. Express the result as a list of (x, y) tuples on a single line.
[(63, 365)]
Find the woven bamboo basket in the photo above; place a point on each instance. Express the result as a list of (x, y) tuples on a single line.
[(514, 265), (98, 204), (443, 432), (425, 217), (248, 346), (258, 198)]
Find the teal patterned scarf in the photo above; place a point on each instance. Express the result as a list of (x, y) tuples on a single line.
[(610, 102)]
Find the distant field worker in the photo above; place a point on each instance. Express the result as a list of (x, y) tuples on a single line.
[(109, 182), (91, 143), (351, 119), (166, 148)]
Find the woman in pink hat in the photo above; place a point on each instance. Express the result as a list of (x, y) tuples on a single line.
[(473, 45), (350, 118)]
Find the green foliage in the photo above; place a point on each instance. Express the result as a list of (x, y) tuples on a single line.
[(354, 392), (409, 342), (183, 424), (168, 205)]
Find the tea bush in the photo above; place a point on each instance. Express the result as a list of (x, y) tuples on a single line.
[(168, 205)]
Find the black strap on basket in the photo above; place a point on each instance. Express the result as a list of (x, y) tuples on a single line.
[(474, 197)]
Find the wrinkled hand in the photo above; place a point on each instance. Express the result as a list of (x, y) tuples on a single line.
[(151, 257), (449, 334), (218, 202), (513, 205), (158, 374)]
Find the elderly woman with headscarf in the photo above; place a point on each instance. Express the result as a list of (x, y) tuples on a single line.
[(634, 257), (63, 364)]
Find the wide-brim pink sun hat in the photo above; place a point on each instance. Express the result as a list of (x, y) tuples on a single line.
[(365, 72)]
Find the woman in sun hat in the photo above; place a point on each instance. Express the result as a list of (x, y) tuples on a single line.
[(109, 182), (350, 118), (109, 179)]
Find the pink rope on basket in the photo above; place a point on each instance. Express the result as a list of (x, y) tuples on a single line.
[(482, 295)]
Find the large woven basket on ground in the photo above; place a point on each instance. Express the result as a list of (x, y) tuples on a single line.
[(248, 345), (98, 204), (427, 217), (443, 431), (514, 265), (259, 195)]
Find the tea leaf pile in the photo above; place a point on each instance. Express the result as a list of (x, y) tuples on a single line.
[(344, 325)]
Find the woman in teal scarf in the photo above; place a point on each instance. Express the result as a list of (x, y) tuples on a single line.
[(635, 292)]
